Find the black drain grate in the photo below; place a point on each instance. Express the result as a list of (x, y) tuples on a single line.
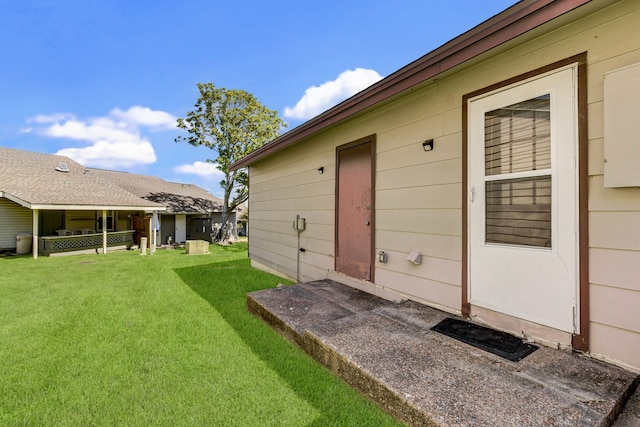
[(496, 342)]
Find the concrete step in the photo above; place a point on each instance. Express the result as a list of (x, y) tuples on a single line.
[(387, 351)]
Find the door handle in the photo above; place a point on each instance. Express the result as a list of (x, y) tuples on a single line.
[(472, 194), (367, 223)]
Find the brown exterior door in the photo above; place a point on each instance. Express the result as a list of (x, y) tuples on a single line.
[(140, 224), (354, 203)]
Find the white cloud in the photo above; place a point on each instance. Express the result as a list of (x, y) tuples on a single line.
[(145, 116), (112, 141), (317, 99), (112, 155), (208, 171), (52, 118)]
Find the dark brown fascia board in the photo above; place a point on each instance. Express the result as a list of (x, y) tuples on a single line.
[(512, 22)]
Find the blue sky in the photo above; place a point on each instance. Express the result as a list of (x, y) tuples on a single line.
[(103, 81)]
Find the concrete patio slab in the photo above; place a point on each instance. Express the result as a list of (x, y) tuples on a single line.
[(388, 352)]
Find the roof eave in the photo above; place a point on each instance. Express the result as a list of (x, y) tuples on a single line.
[(15, 199), (45, 206), (196, 212), (507, 25)]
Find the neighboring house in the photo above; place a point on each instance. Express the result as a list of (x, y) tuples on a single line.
[(55, 205), (61, 205), (191, 212), (496, 177)]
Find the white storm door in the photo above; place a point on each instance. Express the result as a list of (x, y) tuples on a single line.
[(523, 240)]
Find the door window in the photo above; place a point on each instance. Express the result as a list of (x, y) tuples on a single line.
[(517, 142)]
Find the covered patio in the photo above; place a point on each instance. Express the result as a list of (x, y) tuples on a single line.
[(113, 234)]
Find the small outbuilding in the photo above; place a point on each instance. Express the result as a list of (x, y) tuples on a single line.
[(496, 177)]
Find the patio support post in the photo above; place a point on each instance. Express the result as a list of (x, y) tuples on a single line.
[(104, 231), (150, 241), (34, 245), (154, 235)]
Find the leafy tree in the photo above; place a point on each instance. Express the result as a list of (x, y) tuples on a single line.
[(232, 123)]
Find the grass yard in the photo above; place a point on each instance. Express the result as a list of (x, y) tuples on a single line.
[(163, 339)]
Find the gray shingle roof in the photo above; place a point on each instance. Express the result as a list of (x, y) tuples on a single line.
[(33, 178), (178, 198)]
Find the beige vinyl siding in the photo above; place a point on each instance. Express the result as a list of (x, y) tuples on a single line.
[(76, 220), (615, 268), (419, 194), (14, 219), (418, 202), (615, 345), (614, 213), (123, 220), (281, 190)]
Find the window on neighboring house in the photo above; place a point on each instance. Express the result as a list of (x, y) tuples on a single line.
[(110, 222)]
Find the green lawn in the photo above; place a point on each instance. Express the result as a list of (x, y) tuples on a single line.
[(162, 339)]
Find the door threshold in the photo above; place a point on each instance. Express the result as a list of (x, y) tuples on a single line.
[(544, 335)]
